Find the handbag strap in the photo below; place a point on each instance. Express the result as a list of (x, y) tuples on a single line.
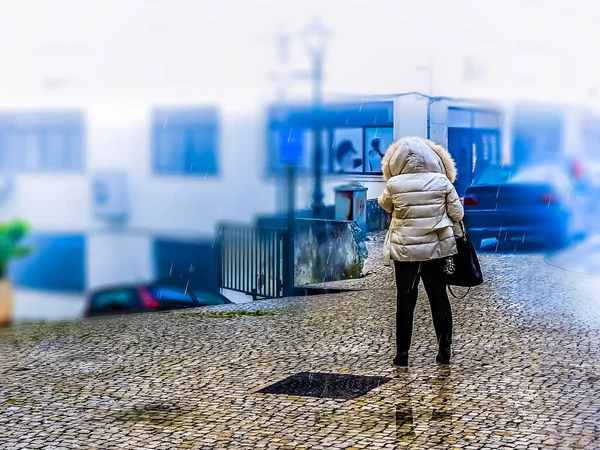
[(464, 232), (459, 298)]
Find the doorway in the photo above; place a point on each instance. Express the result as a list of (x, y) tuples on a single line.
[(473, 150)]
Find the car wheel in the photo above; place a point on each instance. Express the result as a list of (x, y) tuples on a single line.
[(115, 309)]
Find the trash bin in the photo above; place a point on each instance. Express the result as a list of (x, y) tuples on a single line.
[(351, 204)]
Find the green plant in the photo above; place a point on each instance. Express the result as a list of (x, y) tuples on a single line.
[(11, 237)]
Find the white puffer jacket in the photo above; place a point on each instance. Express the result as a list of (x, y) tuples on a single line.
[(424, 204)]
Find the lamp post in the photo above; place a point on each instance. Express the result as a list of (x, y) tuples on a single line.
[(429, 69), (315, 39)]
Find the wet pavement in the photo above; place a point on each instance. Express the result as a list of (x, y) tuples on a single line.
[(525, 372), (584, 257)]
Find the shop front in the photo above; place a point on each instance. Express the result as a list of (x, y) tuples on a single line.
[(354, 136), (474, 140)]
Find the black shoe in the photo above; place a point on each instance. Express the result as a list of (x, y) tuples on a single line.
[(401, 359), (443, 356)]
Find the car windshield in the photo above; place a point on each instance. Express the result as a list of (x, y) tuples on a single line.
[(204, 295), (494, 175), (207, 297), (170, 293), (546, 174), (124, 298), (540, 173)]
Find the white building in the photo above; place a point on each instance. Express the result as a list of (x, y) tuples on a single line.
[(168, 175), (170, 172)]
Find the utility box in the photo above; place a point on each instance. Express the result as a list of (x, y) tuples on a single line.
[(110, 196), (351, 204)]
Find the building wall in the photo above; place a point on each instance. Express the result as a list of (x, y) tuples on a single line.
[(441, 119), (182, 208), (115, 258), (187, 208), (571, 117), (168, 207), (573, 136), (410, 116), (438, 121), (356, 121)]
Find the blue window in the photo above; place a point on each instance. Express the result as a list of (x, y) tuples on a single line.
[(57, 263), (355, 135), (186, 141), (48, 141), (474, 142)]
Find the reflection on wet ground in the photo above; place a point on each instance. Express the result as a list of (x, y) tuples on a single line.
[(411, 416), (524, 374)]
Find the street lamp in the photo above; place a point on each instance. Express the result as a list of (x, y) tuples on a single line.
[(315, 39)]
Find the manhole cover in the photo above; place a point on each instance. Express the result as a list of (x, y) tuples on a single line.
[(325, 385)]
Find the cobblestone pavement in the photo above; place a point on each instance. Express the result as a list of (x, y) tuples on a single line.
[(583, 257), (525, 373)]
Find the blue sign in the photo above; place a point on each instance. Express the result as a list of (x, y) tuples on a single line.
[(291, 148)]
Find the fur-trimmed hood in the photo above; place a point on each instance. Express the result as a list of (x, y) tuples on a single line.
[(417, 155)]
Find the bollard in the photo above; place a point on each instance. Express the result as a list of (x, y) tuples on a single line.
[(351, 204), (6, 302)]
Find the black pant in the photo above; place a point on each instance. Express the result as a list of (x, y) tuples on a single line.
[(408, 275)]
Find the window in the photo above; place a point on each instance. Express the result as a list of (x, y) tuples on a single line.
[(377, 141), (41, 142), (307, 157), (486, 150), (171, 294), (57, 263), (185, 142), (473, 150), (473, 142), (462, 117), (360, 150), (355, 136), (347, 150), (124, 298)]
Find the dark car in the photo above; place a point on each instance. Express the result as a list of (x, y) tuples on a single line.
[(546, 203), (158, 296)]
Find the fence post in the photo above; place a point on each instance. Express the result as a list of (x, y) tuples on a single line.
[(289, 235), (218, 242)]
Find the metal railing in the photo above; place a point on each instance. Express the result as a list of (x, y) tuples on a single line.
[(252, 260)]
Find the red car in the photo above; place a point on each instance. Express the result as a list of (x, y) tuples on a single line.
[(160, 296)]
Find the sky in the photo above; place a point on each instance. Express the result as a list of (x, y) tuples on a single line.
[(127, 50)]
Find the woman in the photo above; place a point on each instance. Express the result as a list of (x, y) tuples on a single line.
[(375, 156), (425, 212)]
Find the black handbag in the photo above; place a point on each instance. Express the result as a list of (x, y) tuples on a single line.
[(463, 269)]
